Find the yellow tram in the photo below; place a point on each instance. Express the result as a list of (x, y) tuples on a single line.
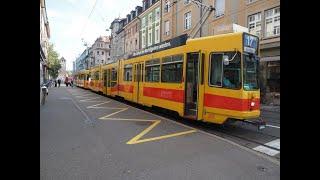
[(210, 79), (81, 78)]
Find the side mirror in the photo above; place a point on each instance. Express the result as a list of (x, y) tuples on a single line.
[(225, 60)]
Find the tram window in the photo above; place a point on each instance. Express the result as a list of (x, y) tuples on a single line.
[(114, 75), (105, 78), (227, 76), (127, 73), (108, 78), (96, 75), (171, 72), (216, 70), (152, 70), (152, 73)]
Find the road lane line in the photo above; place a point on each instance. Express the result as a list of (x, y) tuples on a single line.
[(273, 126)]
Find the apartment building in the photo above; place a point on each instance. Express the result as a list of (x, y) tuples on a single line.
[(150, 23), (132, 29)]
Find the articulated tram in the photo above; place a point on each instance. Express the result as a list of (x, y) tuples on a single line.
[(211, 79)]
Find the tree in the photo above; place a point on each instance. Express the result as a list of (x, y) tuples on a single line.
[(54, 63)]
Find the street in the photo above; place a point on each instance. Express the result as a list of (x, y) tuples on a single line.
[(84, 135)]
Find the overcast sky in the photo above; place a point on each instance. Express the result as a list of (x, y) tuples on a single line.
[(69, 22)]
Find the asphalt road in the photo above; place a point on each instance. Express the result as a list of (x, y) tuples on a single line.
[(87, 136)]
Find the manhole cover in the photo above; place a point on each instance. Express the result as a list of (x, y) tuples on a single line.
[(261, 168)]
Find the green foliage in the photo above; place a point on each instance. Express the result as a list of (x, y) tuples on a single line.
[(54, 63)]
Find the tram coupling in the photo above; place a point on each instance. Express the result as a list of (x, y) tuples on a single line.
[(260, 123)]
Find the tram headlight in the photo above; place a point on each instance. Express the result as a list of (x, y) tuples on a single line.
[(252, 104)]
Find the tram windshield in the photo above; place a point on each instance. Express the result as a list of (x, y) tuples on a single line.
[(250, 72)]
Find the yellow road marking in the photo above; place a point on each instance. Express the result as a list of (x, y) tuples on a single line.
[(84, 95), (89, 100), (121, 109), (95, 106), (137, 141)]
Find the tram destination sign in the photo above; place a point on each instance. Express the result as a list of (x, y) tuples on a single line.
[(175, 42), (250, 43)]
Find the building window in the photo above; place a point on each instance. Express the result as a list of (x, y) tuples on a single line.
[(171, 70), (220, 7), (157, 31), (167, 7), (158, 14), (136, 27), (150, 19), (187, 20), (136, 42), (272, 22), (97, 52), (251, 1), (150, 37), (143, 22), (187, 2), (143, 43), (254, 24), (102, 61), (167, 28), (102, 53)]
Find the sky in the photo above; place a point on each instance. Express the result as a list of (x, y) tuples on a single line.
[(70, 22)]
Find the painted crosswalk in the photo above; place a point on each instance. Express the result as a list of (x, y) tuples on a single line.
[(266, 150)]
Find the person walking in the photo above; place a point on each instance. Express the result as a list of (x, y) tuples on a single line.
[(59, 81), (55, 83), (66, 81), (71, 83)]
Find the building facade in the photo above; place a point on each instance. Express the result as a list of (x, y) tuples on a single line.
[(150, 31), (63, 70), (44, 42), (262, 17), (82, 62), (131, 30), (100, 51), (117, 39)]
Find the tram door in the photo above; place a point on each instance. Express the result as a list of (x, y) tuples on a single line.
[(191, 85), (137, 79)]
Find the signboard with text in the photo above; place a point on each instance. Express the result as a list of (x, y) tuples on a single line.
[(175, 42), (250, 43)]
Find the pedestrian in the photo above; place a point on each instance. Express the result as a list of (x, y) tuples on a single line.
[(66, 81), (59, 81), (71, 83), (55, 83)]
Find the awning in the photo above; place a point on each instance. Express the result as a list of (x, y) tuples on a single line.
[(271, 58)]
